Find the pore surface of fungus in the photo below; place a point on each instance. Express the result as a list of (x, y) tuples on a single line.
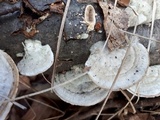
[(105, 64), (37, 58), (9, 79), (149, 85), (82, 91)]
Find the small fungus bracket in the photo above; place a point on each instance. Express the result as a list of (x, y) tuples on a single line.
[(89, 17)]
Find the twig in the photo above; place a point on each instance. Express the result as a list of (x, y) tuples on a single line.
[(59, 40), (31, 109), (153, 17), (45, 104), (87, 1), (46, 90), (110, 90), (129, 100), (139, 36), (46, 79)]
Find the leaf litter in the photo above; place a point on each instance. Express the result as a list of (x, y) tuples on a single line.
[(72, 112)]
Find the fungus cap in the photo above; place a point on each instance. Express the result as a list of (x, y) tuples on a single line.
[(142, 10), (104, 65), (37, 58), (82, 91), (9, 80), (149, 85)]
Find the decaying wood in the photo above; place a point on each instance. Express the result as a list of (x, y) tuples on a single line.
[(117, 38)]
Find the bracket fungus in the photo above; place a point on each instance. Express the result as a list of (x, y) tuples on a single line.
[(37, 58), (9, 80), (104, 65), (89, 17), (149, 84), (142, 10), (82, 91)]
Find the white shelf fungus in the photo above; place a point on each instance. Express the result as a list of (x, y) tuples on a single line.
[(104, 65), (143, 9), (37, 58), (82, 91), (9, 79), (149, 85)]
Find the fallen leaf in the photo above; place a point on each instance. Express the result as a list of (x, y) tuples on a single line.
[(24, 83), (140, 116), (119, 17), (41, 110), (123, 3), (117, 38), (13, 114)]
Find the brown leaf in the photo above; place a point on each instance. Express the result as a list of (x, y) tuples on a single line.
[(140, 116), (40, 111), (119, 16), (24, 83), (117, 38), (13, 114), (123, 3)]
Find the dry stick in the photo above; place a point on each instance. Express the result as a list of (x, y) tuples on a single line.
[(31, 109), (129, 100), (110, 29), (46, 105), (59, 40), (149, 44), (46, 90), (153, 18), (139, 36), (45, 78), (120, 111), (110, 90), (87, 1)]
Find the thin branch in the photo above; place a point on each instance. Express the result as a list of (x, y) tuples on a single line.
[(46, 90), (140, 36), (153, 18), (59, 40), (129, 100), (110, 90)]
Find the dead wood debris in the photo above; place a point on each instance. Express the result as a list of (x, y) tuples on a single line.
[(37, 110), (31, 17), (117, 38), (45, 107), (124, 3)]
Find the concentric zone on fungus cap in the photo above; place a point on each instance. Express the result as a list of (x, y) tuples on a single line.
[(9, 83), (149, 85), (104, 65), (82, 91)]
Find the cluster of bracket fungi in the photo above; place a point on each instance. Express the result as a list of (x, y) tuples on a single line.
[(128, 66)]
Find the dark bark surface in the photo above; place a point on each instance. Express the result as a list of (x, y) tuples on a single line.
[(73, 50)]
